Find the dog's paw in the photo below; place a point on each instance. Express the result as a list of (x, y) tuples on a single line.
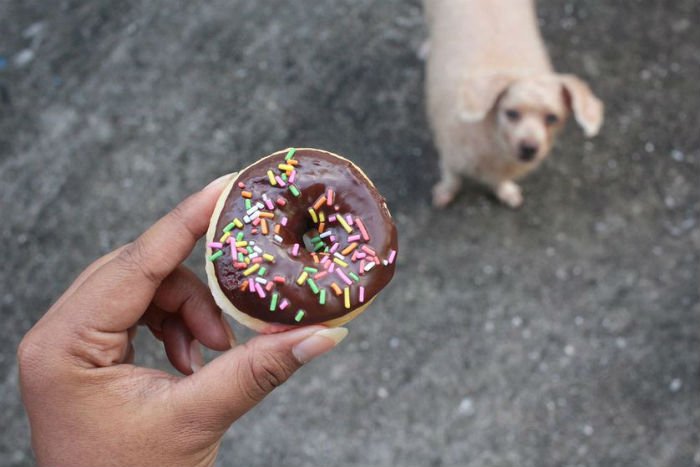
[(510, 194), (442, 196)]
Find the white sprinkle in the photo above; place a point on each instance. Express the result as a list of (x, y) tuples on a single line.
[(278, 238), (253, 255), (369, 266), (338, 255), (261, 280), (327, 233), (258, 249)]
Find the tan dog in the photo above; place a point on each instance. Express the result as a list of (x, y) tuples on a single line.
[(494, 101)]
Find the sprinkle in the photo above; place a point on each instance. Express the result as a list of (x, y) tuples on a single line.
[(337, 290), (281, 201), (284, 221), (331, 268), (241, 185), (268, 257), (247, 204), (361, 255), (319, 202), (247, 260), (251, 285), (326, 234), (310, 270), (348, 249), (256, 222), (278, 238), (293, 176), (340, 262), (269, 204), (334, 247), (229, 227), (346, 297), (279, 279), (344, 278), (368, 250), (262, 271), (215, 245), (284, 176), (331, 218), (216, 255), (269, 286), (246, 194), (325, 260), (290, 154), (312, 284), (286, 167), (299, 316), (259, 289), (348, 218), (261, 280), (273, 303), (293, 162), (345, 225), (284, 304), (318, 246), (280, 182), (294, 190), (354, 276), (322, 216), (315, 257), (354, 238), (392, 255), (263, 226), (239, 236), (271, 176), (295, 250), (267, 215), (241, 244), (225, 237), (240, 265), (329, 197), (277, 228), (319, 275), (314, 217), (362, 294), (302, 277), (238, 223), (369, 266), (251, 269)]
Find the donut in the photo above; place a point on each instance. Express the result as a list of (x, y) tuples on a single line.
[(299, 237)]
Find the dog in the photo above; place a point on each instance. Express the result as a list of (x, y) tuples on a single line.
[(494, 102)]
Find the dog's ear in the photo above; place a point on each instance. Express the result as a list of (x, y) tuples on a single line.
[(587, 108), (478, 95)]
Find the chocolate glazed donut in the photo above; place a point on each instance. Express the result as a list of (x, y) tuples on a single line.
[(300, 237)]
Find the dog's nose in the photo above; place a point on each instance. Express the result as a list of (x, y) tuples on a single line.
[(528, 151)]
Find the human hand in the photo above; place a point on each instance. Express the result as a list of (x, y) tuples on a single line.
[(89, 405)]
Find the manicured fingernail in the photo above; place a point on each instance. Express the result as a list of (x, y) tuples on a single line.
[(318, 343), (229, 331), (196, 358), (219, 181)]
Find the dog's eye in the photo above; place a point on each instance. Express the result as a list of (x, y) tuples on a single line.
[(513, 115), (551, 119)]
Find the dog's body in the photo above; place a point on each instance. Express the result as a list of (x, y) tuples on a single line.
[(494, 102)]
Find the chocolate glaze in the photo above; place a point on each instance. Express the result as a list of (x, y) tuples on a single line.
[(317, 171)]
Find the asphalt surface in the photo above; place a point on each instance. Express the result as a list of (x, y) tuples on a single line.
[(563, 334)]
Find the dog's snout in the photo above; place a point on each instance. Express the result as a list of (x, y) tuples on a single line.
[(528, 151)]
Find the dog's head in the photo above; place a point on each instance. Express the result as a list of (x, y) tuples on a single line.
[(529, 111)]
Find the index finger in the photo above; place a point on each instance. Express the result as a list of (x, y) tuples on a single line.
[(122, 289)]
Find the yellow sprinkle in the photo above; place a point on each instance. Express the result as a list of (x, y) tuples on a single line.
[(237, 222), (340, 262), (302, 277), (348, 249), (346, 292), (268, 257), (314, 217), (246, 260), (224, 237), (321, 217), (342, 222), (243, 243), (251, 269), (271, 176), (286, 167)]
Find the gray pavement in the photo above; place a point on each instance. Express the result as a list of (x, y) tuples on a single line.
[(563, 334)]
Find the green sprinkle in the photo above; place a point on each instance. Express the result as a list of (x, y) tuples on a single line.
[(299, 316), (318, 246), (310, 270), (250, 250), (294, 190), (229, 227), (216, 255), (290, 154), (247, 204), (316, 239), (354, 276), (240, 257), (273, 303), (284, 177), (262, 271), (239, 237), (322, 297), (327, 249), (312, 284)]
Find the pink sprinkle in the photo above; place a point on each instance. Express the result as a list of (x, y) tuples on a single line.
[(295, 249), (362, 267), (354, 256), (268, 203), (284, 221), (256, 222), (361, 255), (331, 218), (392, 255), (329, 197), (363, 230), (261, 292), (240, 249), (354, 238), (254, 231), (241, 185), (362, 294), (332, 239), (231, 240), (334, 248), (348, 218), (257, 260), (319, 275), (281, 201), (331, 268), (293, 176), (328, 265), (325, 260), (284, 304), (280, 181), (342, 275), (240, 265), (269, 286), (279, 279), (215, 245), (368, 250), (251, 285)]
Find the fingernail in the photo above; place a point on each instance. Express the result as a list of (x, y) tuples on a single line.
[(219, 181), (196, 358), (318, 343), (229, 331)]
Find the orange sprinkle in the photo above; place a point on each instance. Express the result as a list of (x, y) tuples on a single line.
[(244, 287), (293, 162), (348, 249), (319, 202), (315, 257), (337, 290), (266, 215), (246, 194), (265, 231), (277, 228), (321, 227)]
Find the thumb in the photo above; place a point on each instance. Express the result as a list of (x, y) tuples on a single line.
[(233, 383)]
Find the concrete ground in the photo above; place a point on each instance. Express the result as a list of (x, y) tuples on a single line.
[(563, 334)]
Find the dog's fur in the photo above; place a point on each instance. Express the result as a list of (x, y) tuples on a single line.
[(494, 102)]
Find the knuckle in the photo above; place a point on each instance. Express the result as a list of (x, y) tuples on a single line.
[(266, 371), (134, 258)]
